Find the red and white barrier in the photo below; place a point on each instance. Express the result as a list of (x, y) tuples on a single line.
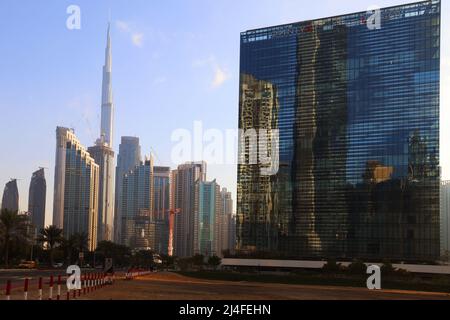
[(84, 283), (90, 282), (50, 293), (58, 296), (25, 289), (8, 290), (40, 288), (135, 274)]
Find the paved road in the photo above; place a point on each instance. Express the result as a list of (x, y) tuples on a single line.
[(167, 286), (18, 275)]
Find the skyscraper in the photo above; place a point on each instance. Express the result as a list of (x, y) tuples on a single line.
[(129, 157), (107, 118), (103, 153), (185, 179), (10, 198), (225, 230), (75, 203), (232, 235), (161, 206), (445, 219), (137, 202), (104, 157), (161, 182), (173, 212), (356, 106), (208, 207), (37, 199)]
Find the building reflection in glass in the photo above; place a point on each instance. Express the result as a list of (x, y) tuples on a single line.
[(358, 115)]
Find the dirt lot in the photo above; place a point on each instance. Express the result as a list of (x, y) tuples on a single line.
[(169, 286)]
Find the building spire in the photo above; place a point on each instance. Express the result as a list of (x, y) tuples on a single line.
[(108, 50), (107, 121)]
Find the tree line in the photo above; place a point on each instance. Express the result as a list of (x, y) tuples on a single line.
[(19, 242)]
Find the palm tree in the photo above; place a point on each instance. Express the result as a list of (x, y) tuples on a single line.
[(68, 246), (214, 262), (52, 236), (13, 228), (80, 242)]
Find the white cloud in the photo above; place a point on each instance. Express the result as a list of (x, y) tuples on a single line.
[(137, 38), (123, 26), (220, 76), (220, 73)]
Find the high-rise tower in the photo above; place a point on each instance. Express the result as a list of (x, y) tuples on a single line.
[(128, 158), (103, 154), (36, 199), (184, 180), (356, 110), (75, 201), (107, 124), (10, 199)]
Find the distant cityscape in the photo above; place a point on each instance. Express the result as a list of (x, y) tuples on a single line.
[(136, 204)]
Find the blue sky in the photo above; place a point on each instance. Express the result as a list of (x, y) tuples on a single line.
[(174, 62)]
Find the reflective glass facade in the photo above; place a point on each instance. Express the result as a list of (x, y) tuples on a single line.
[(37, 197), (357, 109), (75, 200), (137, 202)]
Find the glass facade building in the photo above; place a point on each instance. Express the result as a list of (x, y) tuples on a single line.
[(10, 198), (161, 207), (36, 199), (75, 201), (356, 108), (137, 202), (129, 157), (208, 210), (184, 180), (445, 220), (104, 157)]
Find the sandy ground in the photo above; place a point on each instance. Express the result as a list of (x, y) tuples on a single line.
[(169, 286)]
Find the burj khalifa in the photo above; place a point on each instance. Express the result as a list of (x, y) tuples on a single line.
[(103, 152)]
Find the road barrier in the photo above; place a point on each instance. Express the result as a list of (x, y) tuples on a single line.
[(40, 288), (58, 296), (8, 290), (25, 289), (50, 293), (89, 283), (130, 275)]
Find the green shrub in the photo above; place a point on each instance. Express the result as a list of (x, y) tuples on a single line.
[(357, 267), (387, 268), (332, 267)]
